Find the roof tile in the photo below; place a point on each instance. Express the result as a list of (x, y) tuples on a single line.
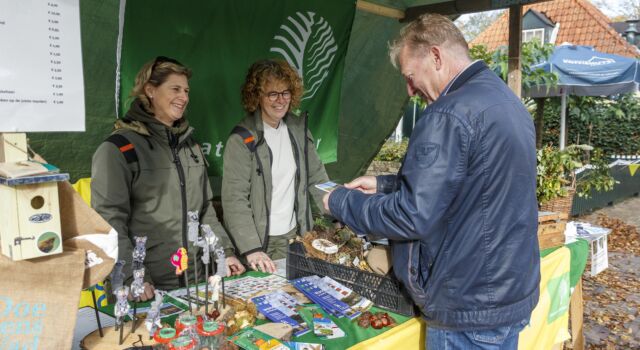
[(581, 23)]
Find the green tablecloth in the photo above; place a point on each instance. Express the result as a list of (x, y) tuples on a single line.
[(579, 255), (354, 334)]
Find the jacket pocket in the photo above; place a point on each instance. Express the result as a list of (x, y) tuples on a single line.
[(497, 336), (406, 263)]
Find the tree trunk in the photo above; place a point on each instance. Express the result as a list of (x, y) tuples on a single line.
[(539, 120)]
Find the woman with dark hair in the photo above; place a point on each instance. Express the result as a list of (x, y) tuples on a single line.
[(271, 167), (150, 172)]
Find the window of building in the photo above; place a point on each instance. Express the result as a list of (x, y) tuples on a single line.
[(533, 34)]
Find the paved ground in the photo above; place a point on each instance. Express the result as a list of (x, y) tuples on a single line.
[(612, 298), (627, 211)]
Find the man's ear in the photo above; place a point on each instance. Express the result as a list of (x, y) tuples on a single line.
[(436, 56)]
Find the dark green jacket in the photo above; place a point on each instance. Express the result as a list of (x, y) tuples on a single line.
[(145, 198), (246, 192)]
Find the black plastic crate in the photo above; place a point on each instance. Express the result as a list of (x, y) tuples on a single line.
[(384, 292)]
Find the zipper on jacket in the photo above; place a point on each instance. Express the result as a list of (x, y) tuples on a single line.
[(173, 144), (265, 241)]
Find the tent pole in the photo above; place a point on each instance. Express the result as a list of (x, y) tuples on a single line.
[(563, 118)]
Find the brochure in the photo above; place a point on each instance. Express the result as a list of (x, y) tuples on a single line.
[(252, 339), (304, 346), (281, 307), (331, 296), (327, 186)]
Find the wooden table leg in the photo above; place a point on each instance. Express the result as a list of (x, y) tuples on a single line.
[(576, 312)]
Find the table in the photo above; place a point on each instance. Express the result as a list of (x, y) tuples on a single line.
[(356, 337), (561, 271)]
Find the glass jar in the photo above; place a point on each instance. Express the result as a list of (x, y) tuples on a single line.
[(163, 338), (183, 342), (210, 334), (186, 325)]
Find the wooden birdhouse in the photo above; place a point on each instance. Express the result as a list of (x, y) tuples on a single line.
[(30, 220)]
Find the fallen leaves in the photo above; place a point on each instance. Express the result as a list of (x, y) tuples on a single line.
[(611, 299), (623, 238)]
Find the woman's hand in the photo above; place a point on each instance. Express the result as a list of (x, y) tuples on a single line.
[(234, 266), (260, 261)]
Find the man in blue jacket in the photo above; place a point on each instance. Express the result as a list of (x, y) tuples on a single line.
[(461, 214)]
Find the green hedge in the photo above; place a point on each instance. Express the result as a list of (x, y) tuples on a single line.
[(615, 123)]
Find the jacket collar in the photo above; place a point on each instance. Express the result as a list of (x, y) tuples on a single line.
[(256, 120), (139, 120), (466, 74)]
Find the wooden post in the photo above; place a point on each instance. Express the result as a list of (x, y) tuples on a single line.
[(379, 9), (514, 77), (576, 314)]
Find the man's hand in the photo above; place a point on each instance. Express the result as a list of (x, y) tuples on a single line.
[(366, 184), (325, 201), (234, 266), (260, 261)]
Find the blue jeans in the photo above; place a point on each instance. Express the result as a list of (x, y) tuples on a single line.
[(501, 338)]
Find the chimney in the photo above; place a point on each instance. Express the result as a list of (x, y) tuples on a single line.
[(631, 34)]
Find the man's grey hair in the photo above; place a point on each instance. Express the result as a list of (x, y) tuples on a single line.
[(430, 29)]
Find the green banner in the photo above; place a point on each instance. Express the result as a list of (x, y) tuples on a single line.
[(219, 40)]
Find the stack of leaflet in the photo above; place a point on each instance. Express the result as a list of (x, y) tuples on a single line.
[(282, 307), (332, 296)]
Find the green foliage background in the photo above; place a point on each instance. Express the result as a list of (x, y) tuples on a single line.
[(614, 123)]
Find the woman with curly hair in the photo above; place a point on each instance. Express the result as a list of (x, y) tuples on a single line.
[(271, 167)]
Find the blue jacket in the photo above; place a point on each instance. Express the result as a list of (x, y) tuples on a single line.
[(462, 211)]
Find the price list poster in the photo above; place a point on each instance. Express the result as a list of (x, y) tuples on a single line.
[(41, 82)]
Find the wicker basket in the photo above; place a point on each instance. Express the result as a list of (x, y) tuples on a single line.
[(561, 205)]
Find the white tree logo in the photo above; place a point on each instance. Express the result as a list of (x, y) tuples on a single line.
[(308, 44)]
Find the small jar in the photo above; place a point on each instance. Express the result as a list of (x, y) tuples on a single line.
[(183, 342), (163, 338), (186, 325), (210, 334)]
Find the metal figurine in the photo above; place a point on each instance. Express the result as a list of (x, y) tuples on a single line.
[(153, 315), (221, 263), (215, 281), (137, 289), (221, 271), (117, 276), (206, 259), (139, 251), (121, 308), (209, 236), (117, 280), (193, 226), (181, 261), (137, 286)]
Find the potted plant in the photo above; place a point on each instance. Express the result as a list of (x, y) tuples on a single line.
[(558, 180), (389, 158)]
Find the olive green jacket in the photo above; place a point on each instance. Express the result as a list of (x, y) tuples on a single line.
[(146, 198), (246, 192)]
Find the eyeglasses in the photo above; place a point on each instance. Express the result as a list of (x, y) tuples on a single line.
[(273, 95), (163, 59)]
